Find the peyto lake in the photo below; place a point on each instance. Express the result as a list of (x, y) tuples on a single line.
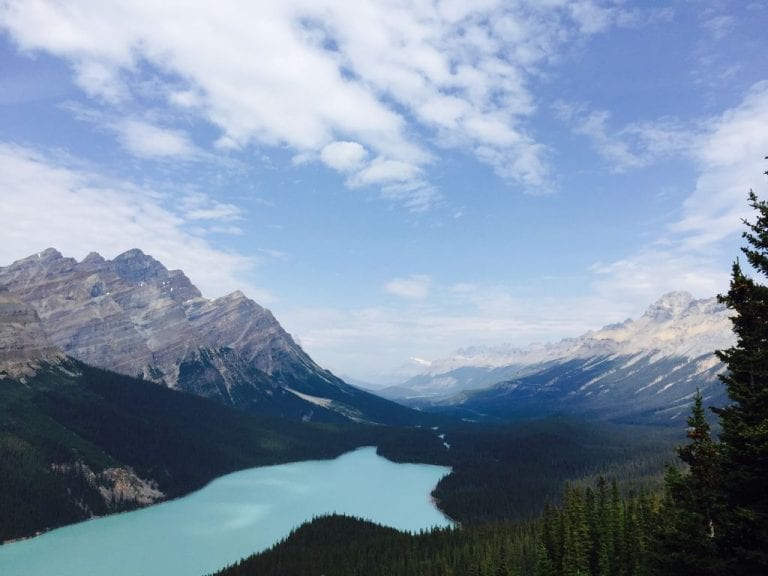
[(232, 517)]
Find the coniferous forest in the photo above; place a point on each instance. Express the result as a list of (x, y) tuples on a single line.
[(711, 517)]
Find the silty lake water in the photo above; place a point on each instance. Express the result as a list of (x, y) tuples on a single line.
[(234, 516)]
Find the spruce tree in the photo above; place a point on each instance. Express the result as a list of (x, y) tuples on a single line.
[(743, 537), (685, 539), (701, 455)]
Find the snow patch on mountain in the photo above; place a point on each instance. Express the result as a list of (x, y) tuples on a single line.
[(675, 325)]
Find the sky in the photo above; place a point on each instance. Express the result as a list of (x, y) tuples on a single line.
[(393, 179)]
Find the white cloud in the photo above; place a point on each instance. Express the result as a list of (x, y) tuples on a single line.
[(720, 25), (393, 77), (634, 145), (198, 206), (146, 140), (343, 156), (382, 171), (141, 137), (731, 158), (76, 211), (415, 287)]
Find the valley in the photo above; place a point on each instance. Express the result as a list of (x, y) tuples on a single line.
[(168, 416)]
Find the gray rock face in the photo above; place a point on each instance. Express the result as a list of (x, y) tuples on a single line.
[(134, 316), (23, 342)]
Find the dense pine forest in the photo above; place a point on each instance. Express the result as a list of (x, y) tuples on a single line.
[(596, 531)]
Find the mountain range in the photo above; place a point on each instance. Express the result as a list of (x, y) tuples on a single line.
[(133, 316), (646, 369)]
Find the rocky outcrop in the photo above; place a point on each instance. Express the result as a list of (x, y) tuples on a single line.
[(23, 342), (119, 487)]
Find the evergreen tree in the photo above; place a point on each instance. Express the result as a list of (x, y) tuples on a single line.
[(701, 455), (744, 534), (685, 542)]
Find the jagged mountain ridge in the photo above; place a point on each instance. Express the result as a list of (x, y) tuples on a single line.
[(135, 317), (647, 368)]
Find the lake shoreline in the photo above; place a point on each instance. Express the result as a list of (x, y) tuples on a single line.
[(234, 516)]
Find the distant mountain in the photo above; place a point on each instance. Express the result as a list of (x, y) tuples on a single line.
[(135, 317), (644, 369)]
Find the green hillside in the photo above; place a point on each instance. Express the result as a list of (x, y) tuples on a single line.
[(63, 430)]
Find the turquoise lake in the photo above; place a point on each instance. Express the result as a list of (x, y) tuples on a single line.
[(232, 517)]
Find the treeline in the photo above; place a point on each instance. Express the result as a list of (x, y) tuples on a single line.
[(597, 532), (344, 546), (716, 511), (509, 473)]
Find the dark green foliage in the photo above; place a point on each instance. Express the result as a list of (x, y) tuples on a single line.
[(598, 532), (715, 515), (503, 473), (343, 546), (685, 539), (743, 534)]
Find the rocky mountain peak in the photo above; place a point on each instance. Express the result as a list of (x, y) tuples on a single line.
[(94, 261), (180, 287), (37, 266), (132, 315), (134, 266), (670, 306), (48, 254)]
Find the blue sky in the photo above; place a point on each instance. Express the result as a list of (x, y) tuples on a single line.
[(394, 180)]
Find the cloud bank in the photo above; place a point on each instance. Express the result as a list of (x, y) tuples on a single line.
[(374, 89)]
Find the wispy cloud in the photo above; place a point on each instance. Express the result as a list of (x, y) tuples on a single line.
[(77, 210), (371, 86), (142, 137), (728, 152), (147, 140), (199, 206), (414, 287), (634, 145)]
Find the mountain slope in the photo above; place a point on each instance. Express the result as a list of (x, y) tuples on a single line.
[(644, 369), (77, 441), (135, 317)]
